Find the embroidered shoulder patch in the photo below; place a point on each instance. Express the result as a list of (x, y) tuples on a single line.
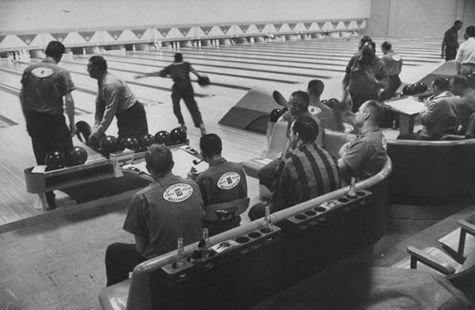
[(314, 110), (178, 192), (228, 180), (42, 72)]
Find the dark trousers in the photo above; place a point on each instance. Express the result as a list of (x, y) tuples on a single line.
[(358, 99), (394, 83), (450, 52), (132, 122), (48, 133), (216, 227), (184, 90), (121, 258)]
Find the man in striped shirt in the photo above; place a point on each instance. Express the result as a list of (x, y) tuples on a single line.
[(305, 172)]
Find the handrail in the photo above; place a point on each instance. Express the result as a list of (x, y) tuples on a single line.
[(431, 143), (160, 261)]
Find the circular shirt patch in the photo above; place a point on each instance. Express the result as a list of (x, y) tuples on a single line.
[(228, 181), (178, 192), (314, 110), (42, 72)]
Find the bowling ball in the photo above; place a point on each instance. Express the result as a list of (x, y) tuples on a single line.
[(274, 115), (130, 143), (76, 156), (177, 136), (83, 131), (55, 160), (325, 102), (408, 89), (334, 103), (145, 142), (203, 81), (422, 87), (109, 144), (162, 137)]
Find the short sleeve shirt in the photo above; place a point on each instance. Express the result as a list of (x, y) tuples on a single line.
[(392, 63), (168, 208), (466, 52), (43, 87), (451, 37), (223, 181), (366, 155), (179, 71)]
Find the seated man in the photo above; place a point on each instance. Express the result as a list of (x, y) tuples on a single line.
[(459, 86), (366, 155), (298, 106), (439, 116), (223, 187), (170, 207), (306, 171), (325, 114)]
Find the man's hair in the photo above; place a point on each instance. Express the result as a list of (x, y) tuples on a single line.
[(211, 145), (55, 49), (458, 22), (178, 57), (315, 88), (99, 62), (300, 100), (159, 158), (375, 109), (363, 40), (460, 81), (441, 83), (386, 46), (470, 31), (306, 127)]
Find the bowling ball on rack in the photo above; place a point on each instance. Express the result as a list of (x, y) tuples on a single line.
[(408, 89), (145, 142), (421, 87), (162, 137), (334, 103), (130, 143), (274, 115), (76, 156), (108, 144), (325, 102), (55, 160), (83, 131), (177, 136)]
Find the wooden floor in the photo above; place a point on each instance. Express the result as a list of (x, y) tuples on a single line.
[(55, 260)]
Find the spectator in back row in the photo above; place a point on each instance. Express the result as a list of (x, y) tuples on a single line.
[(366, 155), (459, 85), (306, 171), (439, 116)]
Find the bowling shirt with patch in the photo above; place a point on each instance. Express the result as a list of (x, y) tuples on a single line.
[(392, 63), (223, 181), (179, 71), (113, 97), (304, 173), (168, 208), (366, 155), (43, 87)]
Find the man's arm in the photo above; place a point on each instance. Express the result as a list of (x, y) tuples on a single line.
[(108, 110), (141, 243), (192, 70), (431, 114), (69, 103)]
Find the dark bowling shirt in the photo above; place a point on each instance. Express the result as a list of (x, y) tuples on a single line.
[(366, 155), (179, 71), (360, 76), (304, 173), (168, 208), (223, 181), (451, 37), (392, 63), (43, 87)]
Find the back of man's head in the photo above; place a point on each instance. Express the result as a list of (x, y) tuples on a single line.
[(315, 88), (178, 57), (159, 159), (376, 111), (458, 23), (99, 62), (306, 127), (55, 49), (470, 32), (441, 83), (299, 101), (211, 145), (386, 46), (460, 81)]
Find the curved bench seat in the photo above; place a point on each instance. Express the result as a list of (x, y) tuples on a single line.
[(432, 171), (256, 273)]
